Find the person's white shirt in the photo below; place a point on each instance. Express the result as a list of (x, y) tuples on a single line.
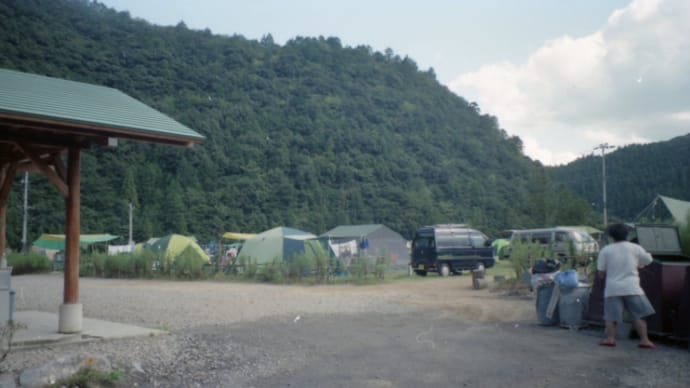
[(621, 261)]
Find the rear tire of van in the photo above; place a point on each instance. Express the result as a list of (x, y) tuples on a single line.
[(444, 270), (420, 273)]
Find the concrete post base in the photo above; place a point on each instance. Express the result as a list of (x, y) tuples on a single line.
[(70, 319)]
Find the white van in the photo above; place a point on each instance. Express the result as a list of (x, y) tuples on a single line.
[(563, 242)]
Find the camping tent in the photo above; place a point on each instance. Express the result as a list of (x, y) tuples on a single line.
[(367, 240), (679, 210), (172, 246), (280, 243)]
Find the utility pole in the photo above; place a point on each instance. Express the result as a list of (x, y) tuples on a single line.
[(25, 245), (131, 242), (603, 147)]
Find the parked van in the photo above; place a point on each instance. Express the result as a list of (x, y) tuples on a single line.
[(449, 249), (563, 242)]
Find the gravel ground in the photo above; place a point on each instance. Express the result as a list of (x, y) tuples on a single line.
[(401, 334)]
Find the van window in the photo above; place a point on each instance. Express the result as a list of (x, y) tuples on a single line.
[(477, 239), (423, 242), (581, 236), (541, 237), (524, 237), (453, 240), (561, 237)]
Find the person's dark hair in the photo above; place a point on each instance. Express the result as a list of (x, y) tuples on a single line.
[(618, 232)]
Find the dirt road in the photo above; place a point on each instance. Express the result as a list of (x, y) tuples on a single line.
[(424, 332)]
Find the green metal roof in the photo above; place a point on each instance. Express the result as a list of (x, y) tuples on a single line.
[(107, 109)]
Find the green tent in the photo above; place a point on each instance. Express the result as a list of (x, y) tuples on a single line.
[(172, 246), (500, 246), (280, 243)]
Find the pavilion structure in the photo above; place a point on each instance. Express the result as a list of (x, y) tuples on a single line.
[(45, 125)]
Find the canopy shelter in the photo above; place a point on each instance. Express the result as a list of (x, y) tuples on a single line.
[(57, 241), (662, 206), (238, 236), (42, 118)]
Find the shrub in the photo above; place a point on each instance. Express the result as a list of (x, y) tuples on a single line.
[(381, 267), (144, 263), (272, 272), (359, 268), (92, 265), (188, 265), (299, 266), (90, 377), (29, 263), (522, 255), (321, 269)]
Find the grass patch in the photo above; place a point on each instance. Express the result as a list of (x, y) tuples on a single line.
[(502, 268), (90, 377)]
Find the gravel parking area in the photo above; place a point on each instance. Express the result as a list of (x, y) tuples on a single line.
[(404, 334)]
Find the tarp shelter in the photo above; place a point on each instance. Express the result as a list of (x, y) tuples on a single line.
[(173, 245), (277, 243), (238, 236), (678, 210), (57, 241), (373, 240), (42, 118)]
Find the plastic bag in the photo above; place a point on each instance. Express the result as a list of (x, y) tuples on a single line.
[(567, 279)]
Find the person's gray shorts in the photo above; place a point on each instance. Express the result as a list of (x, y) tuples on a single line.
[(637, 305)]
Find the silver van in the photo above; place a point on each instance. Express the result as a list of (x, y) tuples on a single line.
[(563, 242)]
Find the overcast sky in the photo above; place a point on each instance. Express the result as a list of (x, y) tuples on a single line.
[(563, 75)]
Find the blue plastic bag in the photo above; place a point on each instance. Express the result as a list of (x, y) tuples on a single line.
[(567, 278)]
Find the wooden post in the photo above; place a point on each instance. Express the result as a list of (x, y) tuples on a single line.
[(7, 172), (70, 320), (3, 233), (72, 229)]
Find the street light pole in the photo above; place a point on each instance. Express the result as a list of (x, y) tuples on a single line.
[(603, 147)]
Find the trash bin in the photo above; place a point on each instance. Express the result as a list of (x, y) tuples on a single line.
[(544, 294), (572, 305), (6, 306)]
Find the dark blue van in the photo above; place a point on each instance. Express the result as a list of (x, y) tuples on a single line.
[(450, 249)]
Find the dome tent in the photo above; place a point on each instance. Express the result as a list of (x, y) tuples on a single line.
[(172, 246), (280, 243)]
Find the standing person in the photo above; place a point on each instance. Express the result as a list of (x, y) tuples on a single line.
[(618, 262)]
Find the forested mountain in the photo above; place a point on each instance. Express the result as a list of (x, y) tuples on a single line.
[(634, 176), (310, 134)]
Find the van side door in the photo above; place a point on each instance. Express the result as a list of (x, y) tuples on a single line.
[(562, 243)]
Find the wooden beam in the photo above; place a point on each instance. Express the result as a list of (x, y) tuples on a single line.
[(52, 176), (59, 166), (95, 130), (7, 172), (72, 229)]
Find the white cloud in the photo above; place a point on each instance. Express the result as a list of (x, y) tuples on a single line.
[(626, 83)]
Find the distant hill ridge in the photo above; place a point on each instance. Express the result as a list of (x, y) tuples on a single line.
[(635, 174)]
